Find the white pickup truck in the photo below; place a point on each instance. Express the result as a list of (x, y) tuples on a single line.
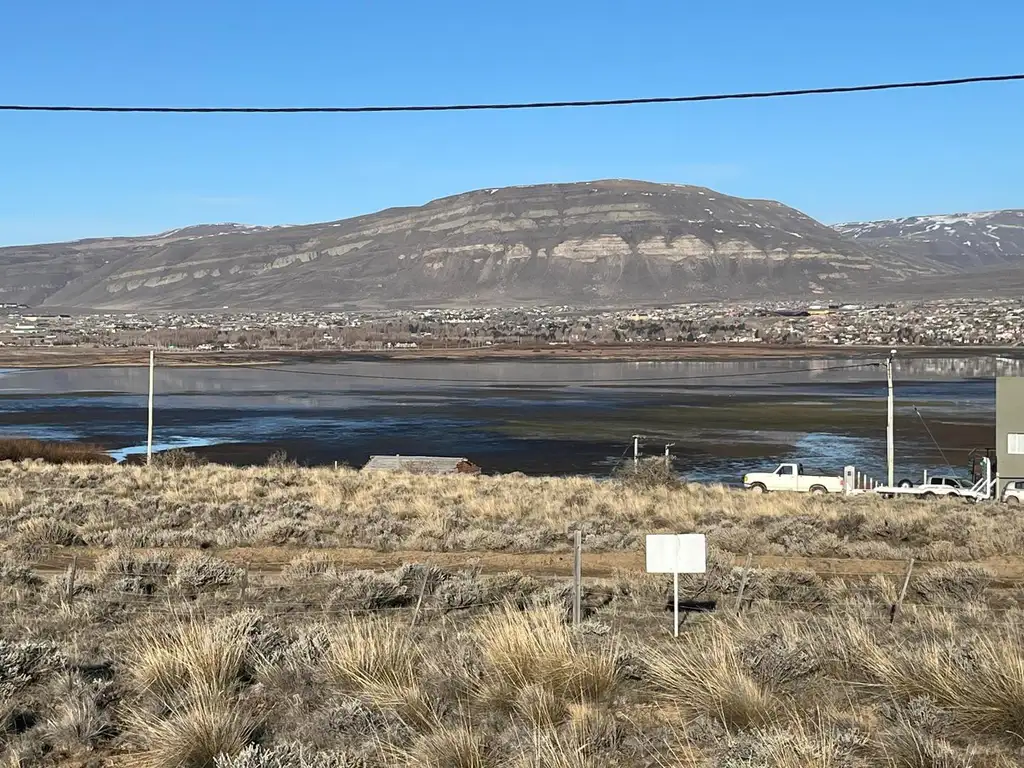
[(791, 477)]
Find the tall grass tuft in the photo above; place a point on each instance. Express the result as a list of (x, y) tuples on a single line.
[(188, 655), (705, 675), (979, 683), (449, 746), (519, 649), (203, 724)]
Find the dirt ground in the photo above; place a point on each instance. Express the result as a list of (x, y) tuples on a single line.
[(270, 560)]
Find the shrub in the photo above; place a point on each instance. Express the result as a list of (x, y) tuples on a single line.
[(122, 570), (469, 589), (53, 452), (77, 722), (795, 746), (16, 574), (24, 662), (279, 459), (197, 572), (953, 582), (368, 590), (308, 565), (286, 756), (177, 458), (648, 473), (47, 531)]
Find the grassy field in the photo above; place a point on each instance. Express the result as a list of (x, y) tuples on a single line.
[(279, 617)]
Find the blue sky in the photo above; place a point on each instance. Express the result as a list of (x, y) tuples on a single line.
[(836, 157)]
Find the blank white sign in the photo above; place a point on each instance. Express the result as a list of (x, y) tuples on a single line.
[(676, 553)]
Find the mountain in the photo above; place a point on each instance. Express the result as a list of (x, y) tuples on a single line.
[(963, 241), (589, 243)]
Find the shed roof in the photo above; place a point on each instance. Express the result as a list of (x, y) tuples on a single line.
[(433, 465)]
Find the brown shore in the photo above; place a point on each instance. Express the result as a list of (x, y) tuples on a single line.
[(45, 357)]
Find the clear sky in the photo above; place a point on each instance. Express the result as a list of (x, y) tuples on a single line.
[(837, 158)]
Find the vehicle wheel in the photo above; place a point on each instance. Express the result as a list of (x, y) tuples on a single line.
[(927, 495), (888, 495), (818, 489), (904, 483), (1012, 500), (758, 488)]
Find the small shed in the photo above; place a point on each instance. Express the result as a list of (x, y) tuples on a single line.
[(423, 465)]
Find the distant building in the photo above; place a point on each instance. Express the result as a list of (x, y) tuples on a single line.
[(1009, 430), (423, 465)]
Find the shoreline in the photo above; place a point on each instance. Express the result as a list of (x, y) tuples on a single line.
[(53, 357)]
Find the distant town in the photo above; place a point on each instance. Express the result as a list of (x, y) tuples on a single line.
[(965, 322)]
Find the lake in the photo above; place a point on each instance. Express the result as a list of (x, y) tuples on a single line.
[(557, 417)]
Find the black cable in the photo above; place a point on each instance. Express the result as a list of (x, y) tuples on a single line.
[(939, 447), (522, 105)]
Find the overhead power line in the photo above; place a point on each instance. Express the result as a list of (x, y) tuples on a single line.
[(522, 105)]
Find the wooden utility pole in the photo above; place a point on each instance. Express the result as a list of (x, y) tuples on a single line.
[(889, 436), (577, 576), (149, 431)]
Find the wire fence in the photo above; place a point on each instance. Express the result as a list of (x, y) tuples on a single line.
[(630, 562), (157, 586)]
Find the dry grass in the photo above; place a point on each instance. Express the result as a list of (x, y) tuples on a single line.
[(162, 652), (706, 676), (187, 655), (536, 649), (217, 506)]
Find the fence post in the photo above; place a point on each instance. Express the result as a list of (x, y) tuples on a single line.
[(72, 573), (577, 576), (743, 586), (903, 593), (245, 583), (419, 600)]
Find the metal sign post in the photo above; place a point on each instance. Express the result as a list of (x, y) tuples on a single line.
[(676, 553)]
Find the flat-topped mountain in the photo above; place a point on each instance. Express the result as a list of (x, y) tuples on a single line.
[(589, 243)]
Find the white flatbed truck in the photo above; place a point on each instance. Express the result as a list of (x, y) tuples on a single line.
[(939, 486)]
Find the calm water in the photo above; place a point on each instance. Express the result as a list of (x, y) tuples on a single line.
[(537, 417)]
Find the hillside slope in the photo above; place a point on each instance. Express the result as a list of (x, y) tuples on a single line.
[(963, 241), (598, 243)]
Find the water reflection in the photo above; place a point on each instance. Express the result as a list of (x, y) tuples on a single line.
[(577, 415)]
